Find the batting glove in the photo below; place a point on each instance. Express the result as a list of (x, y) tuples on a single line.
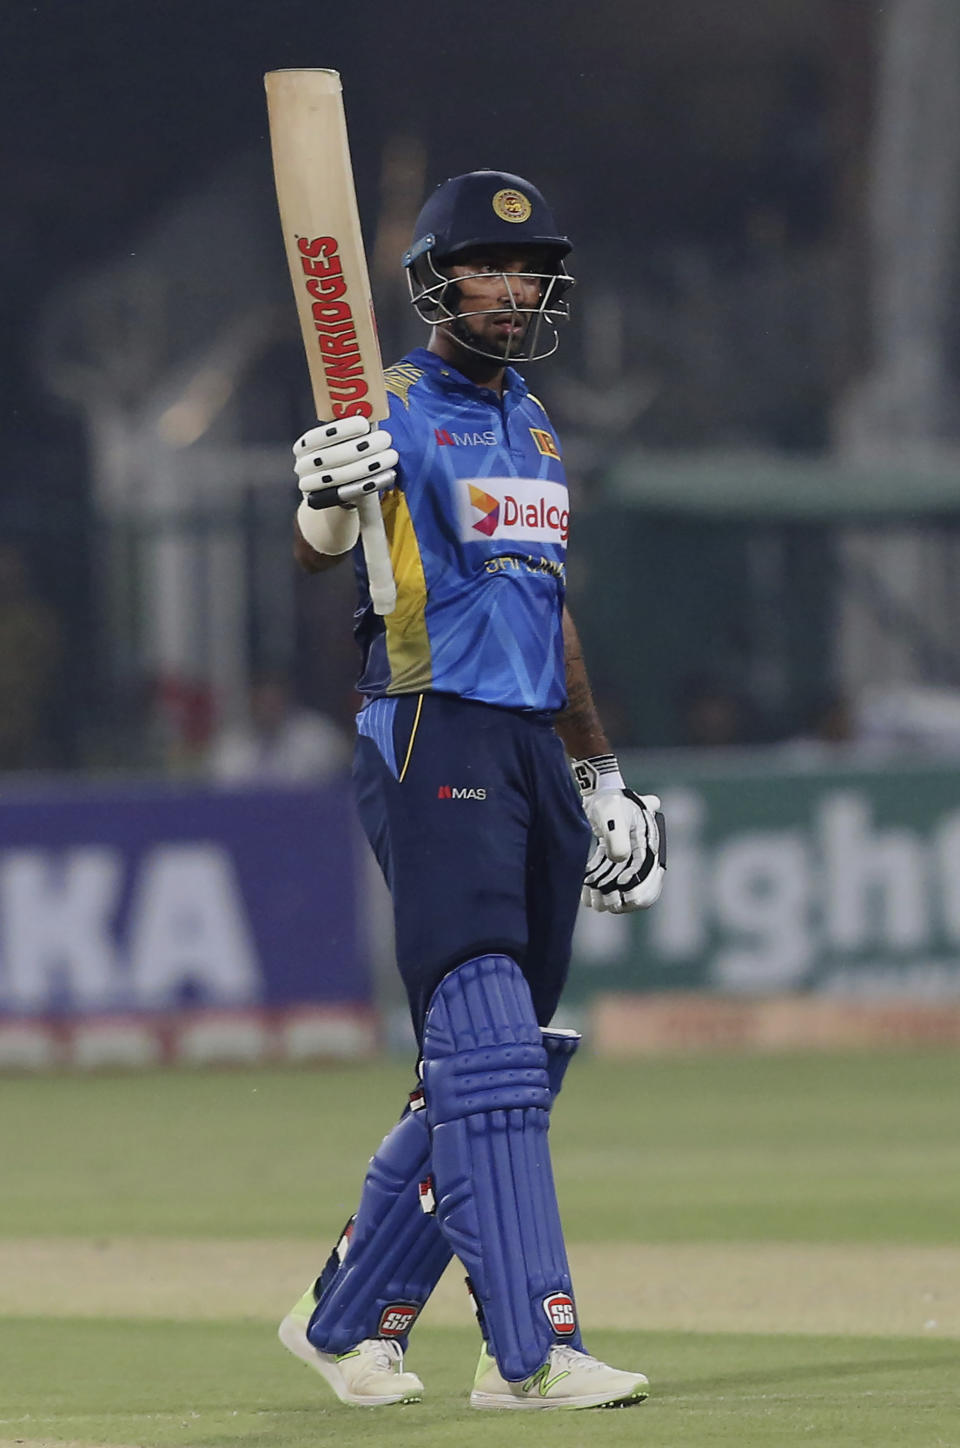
[(626, 870), (340, 462)]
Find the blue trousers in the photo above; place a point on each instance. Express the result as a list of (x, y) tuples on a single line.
[(478, 828)]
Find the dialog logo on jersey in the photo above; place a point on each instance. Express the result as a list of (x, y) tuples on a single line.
[(489, 509), (561, 1313), (520, 509)]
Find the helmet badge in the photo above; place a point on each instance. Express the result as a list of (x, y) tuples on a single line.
[(512, 205)]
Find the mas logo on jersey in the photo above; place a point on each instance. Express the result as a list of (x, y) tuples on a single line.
[(561, 1313), (446, 438), (546, 442), (520, 509)]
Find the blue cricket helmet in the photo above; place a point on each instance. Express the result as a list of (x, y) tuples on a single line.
[(483, 209)]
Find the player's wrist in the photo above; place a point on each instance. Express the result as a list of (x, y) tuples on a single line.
[(328, 530), (597, 774)]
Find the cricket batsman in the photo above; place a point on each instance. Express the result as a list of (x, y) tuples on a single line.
[(476, 706)]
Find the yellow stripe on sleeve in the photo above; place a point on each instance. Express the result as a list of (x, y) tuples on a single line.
[(408, 643)]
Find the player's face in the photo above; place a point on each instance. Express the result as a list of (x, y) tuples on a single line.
[(495, 285)]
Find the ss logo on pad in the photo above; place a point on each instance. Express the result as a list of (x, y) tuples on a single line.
[(561, 1313)]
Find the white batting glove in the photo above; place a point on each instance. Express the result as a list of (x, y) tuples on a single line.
[(339, 462), (626, 870)]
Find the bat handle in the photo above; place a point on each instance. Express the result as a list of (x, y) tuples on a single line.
[(376, 553)]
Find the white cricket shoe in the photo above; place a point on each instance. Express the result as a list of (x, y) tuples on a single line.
[(370, 1375), (568, 1379)]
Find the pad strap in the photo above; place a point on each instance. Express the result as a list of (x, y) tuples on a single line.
[(560, 1046)]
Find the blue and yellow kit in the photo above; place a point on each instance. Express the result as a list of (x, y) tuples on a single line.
[(477, 526)]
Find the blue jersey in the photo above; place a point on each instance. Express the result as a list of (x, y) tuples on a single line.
[(477, 528)]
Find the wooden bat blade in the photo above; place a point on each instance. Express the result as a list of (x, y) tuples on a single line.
[(324, 246)]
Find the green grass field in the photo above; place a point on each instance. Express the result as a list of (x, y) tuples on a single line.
[(775, 1241)]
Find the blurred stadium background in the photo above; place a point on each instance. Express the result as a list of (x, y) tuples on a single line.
[(758, 401)]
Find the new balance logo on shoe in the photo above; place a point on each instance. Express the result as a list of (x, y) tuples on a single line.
[(542, 1381), (568, 1379)]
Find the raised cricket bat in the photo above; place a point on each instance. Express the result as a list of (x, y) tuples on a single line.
[(321, 231)]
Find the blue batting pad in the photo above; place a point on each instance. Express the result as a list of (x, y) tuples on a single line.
[(396, 1254), (488, 1097)]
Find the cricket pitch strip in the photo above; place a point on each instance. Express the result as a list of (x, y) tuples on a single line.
[(884, 1291)]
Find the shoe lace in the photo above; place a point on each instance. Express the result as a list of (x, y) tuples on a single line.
[(382, 1352), (571, 1357)]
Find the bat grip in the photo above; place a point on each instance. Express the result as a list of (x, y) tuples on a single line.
[(373, 537), (376, 553)]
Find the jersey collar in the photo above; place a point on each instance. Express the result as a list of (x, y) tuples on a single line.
[(514, 387)]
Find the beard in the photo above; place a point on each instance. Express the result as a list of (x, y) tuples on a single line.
[(507, 345)]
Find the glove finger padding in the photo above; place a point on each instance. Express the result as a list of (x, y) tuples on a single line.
[(338, 453), (600, 867), (326, 433), (351, 472), (625, 888), (350, 495), (652, 818)]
